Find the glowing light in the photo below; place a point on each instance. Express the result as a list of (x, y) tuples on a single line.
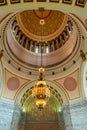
[(41, 93)]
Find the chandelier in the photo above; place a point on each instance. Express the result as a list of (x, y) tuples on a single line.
[(41, 93)]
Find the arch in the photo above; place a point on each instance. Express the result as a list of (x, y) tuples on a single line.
[(83, 78), (56, 90), (49, 113)]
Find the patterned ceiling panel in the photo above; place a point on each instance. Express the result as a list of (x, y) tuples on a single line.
[(13, 83), (14, 1), (67, 1), (81, 3), (70, 83), (30, 22), (41, 0), (3, 2), (57, 1)]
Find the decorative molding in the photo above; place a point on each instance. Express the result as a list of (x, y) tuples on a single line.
[(81, 3), (67, 1), (86, 23), (13, 83), (41, 0), (79, 20), (3, 2), (28, 0), (52, 90), (57, 1), (14, 1)]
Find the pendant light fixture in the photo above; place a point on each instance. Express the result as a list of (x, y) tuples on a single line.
[(41, 93)]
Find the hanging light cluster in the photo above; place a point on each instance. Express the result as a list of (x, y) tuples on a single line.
[(41, 93)]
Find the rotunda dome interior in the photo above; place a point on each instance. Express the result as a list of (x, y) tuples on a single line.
[(50, 34)]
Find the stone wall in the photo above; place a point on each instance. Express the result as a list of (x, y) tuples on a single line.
[(16, 117), (67, 117), (6, 112), (75, 115), (78, 113), (9, 115)]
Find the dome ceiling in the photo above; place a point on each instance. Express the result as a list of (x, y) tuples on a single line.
[(54, 23), (61, 41), (58, 31), (64, 35)]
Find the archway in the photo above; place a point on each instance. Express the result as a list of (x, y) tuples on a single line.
[(51, 117)]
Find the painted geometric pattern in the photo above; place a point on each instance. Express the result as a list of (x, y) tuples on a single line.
[(70, 83), (13, 83), (49, 113), (80, 3), (52, 90)]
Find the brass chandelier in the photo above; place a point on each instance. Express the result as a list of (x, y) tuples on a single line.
[(41, 93)]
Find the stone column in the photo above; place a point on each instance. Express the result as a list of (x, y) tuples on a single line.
[(22, 121), (67, 118), (61, 123), (6, 112), (16, 30), (16, 117)]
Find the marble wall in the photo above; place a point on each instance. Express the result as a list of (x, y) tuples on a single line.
[(75, 115), (16, 117), (9, 115), (78, 113), (6, 112), (67, 117)]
